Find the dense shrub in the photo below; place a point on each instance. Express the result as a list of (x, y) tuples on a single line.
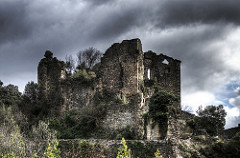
[(82, 149), (211, 119), (142, 150), (9, 95), (52, 150), (17, 141), (79, 124), (224, 149)]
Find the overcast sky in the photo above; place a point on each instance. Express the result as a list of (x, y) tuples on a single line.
[(203, 34)]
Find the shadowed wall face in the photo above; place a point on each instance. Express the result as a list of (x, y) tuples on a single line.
[(50, 72), (122, 67), (163, 71)]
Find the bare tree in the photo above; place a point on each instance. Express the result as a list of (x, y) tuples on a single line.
[(88, 57), (70, 64)]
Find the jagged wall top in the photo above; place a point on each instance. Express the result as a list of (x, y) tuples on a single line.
[(121, 68), (50, 71)]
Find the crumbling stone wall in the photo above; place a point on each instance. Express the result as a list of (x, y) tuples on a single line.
[(163, 71), (124, 70), (76, 94), (121, 68), (50, 72)]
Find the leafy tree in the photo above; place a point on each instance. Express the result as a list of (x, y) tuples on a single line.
[(223, 149), (88, 58), (29, 104), (31, 92), (1, 83), (212, 118), (9, 95)]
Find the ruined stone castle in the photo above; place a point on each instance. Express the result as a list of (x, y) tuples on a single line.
[(124, 71)]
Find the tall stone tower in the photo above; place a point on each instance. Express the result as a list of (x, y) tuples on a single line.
[(50, 72), (122, 67)]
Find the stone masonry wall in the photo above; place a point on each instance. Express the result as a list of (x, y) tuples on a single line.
[(50, 72), (163, 71), (76, 94), (121, 68)]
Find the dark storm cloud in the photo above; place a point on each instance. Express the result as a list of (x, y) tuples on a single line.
[(99, 2), (13, 21), (128, 15), (186, 12), (117, 23)]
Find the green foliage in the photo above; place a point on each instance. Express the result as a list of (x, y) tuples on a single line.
[(9, 95), (192, 123), (52, 150), (11, 140), (143, 88), (29, 104), (1, 84), (141, 150), (160, 107), (157, 154), (230, 148), (82, 73), (79, 124), (43, 131), (161, 104), (85, 149), (82, 149), (212, 118), (84, 77), (121, 98), (54, 124), (31, 92), (35, 154), (9, 155), (128, 133), (123, 151)]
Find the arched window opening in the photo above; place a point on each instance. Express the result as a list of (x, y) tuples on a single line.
[(149, 74)]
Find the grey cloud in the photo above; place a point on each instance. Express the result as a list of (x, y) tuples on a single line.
[(237, 90), (116, 24), (164, 14), (13, 21), (235, 101), (192, 45), (99, 2), (186, 12)]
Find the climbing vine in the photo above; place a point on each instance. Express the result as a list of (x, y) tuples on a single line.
[(160, 108)]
